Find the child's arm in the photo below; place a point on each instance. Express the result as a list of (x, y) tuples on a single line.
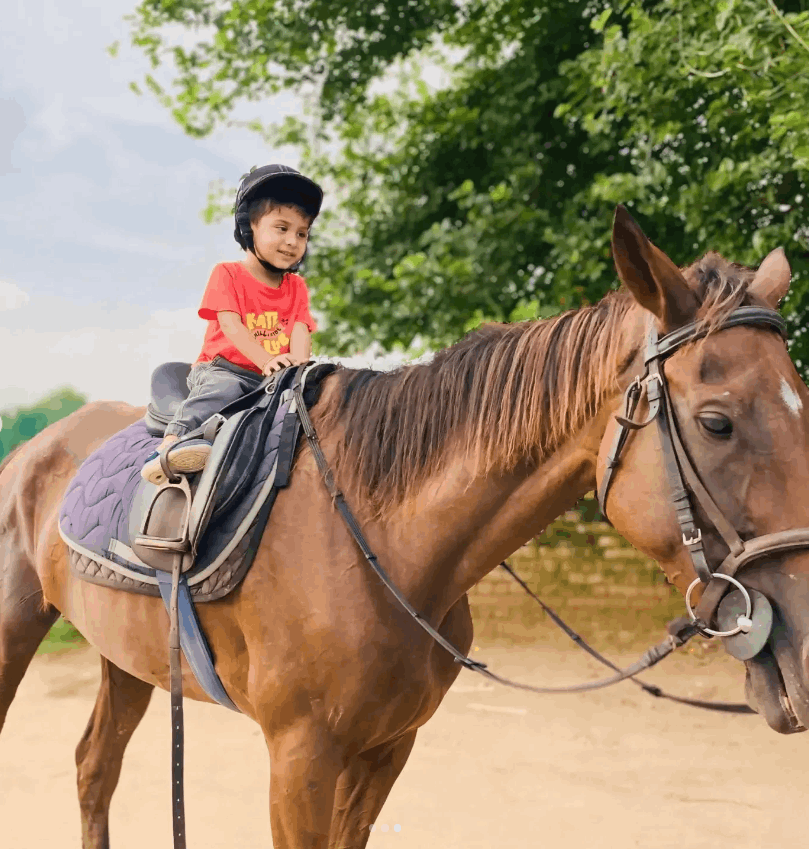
[(242, 339), (300, 343)]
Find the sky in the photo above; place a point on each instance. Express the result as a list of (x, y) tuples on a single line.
[(103, 252)]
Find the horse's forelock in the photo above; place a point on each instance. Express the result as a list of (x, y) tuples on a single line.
[(722, 287)]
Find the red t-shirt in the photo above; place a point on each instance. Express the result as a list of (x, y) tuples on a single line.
[(270, 314)]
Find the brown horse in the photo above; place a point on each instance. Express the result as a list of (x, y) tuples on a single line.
[(450, 467)]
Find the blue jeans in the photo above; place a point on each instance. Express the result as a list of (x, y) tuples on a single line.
[(212, 386)]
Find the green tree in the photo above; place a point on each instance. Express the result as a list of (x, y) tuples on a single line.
[(27, 422), (706, 103), (490, 196)]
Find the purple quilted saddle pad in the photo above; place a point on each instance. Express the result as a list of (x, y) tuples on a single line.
[(97, 503), (94, 518)]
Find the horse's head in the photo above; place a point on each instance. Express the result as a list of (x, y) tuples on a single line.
[(725, 458)]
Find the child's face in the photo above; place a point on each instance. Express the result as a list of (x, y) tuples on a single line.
[(280, 236)]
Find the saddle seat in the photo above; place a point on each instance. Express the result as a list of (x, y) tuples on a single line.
[(168, 390), (215, 521)]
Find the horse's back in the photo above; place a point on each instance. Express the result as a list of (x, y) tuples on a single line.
[(34, 477), (80, 433)]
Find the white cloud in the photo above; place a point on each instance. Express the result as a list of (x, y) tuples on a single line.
[(75, 218), (11, 296), (103, 363), (76, 344), (59, 124), (115, 364), (79, 87)]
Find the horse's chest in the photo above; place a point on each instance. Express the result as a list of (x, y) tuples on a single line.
[(406, 684), (393, 700)]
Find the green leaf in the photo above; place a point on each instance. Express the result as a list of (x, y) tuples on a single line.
[(598, 24), (723, 11)]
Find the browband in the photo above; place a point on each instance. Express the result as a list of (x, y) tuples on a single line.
[(756, 316)]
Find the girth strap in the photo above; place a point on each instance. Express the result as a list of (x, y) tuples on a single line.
[(194, 645)]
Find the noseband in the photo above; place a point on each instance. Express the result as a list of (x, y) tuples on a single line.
[(743, 616)]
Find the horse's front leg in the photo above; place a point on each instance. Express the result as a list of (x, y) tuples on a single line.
[(305, 762), (363, 788)]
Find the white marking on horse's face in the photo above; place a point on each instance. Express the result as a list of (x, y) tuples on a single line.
[(791, 398)]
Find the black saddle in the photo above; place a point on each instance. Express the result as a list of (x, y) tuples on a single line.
[(239, 446)]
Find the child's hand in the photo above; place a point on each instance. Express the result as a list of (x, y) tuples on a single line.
[(277, 363)]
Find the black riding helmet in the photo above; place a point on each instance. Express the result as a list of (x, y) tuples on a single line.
[(284, 185)]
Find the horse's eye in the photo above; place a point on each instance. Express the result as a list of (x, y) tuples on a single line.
[(716, 424)]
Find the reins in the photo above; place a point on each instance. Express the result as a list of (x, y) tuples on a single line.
[(651, 689), (652, 656)]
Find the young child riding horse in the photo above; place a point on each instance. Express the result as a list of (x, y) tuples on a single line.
[(257, 310)]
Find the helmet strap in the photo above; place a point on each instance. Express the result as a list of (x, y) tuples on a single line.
[(274, 269)]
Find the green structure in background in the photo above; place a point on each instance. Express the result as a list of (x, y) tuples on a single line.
[(26, 422)]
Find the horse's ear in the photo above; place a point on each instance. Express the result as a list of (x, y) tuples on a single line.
[(771, 282), (650, 275)]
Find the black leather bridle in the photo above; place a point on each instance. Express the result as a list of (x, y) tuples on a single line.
[(744, 615)]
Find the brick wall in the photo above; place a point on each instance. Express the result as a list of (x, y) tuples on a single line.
[(588, 574)]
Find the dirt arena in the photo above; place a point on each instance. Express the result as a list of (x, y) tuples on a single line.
[(494, 767)]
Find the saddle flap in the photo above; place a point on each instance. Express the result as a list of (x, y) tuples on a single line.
[(207, 485)]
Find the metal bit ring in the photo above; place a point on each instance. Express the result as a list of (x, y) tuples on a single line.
[(749, 604)]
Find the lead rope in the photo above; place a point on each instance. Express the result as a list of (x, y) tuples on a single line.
[(651, 657)]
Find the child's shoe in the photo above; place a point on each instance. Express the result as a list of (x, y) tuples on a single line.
[(184, 458)]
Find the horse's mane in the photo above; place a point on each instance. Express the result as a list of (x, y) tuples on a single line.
[(503, 394)]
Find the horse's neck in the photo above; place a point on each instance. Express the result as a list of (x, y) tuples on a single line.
[(460, 527)]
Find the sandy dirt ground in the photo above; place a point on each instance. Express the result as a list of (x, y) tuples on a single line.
[(494, 767)]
